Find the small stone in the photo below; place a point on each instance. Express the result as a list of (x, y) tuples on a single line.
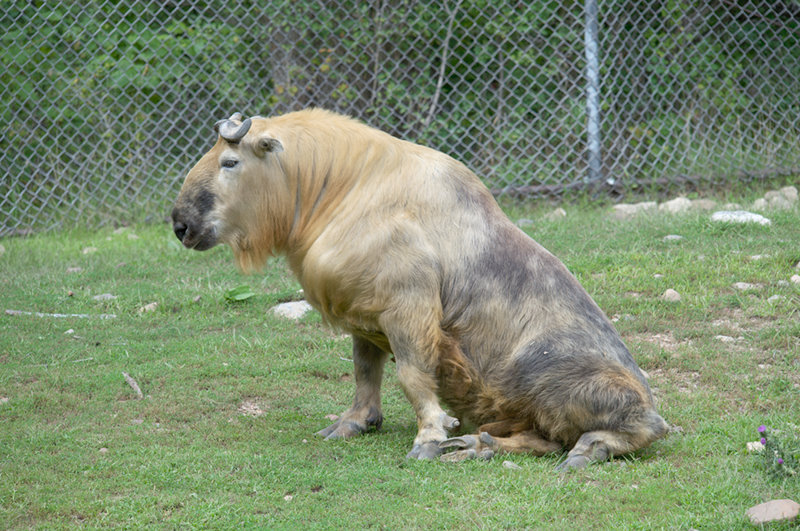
[(744, 286), (795, 279), (760, 204), (74, 269), (288, 497), (103, 450), (671, 296), (625, 211), (104, 297), (776, 298), (725, 339), (70, 331), (773, 511), (70, 293), (148, 307), (197, 299), (89, 250), (556, 214), (755, 446), (704, 204), (292, 310), (511, 466), (305, 441), (658, 275), (675, 206), (672, 238), (739, 216), (3, 400), (790, 193)]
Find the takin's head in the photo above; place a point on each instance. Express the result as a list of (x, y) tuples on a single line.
[(236, 194)]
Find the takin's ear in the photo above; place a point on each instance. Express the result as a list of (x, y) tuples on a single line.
[(266, 145)]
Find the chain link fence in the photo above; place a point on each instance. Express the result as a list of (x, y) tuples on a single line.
[(106, 104)]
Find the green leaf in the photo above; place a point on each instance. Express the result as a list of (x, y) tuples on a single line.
[(239, 294)]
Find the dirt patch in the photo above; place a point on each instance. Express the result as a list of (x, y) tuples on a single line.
[(251, 408), (665, 341)]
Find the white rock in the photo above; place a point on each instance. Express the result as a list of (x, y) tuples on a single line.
[(556, 214), (704, 204), (773, 511), (510, 465), (739, 216), (672, 238), (89, 250), (776, 298), (671, 296), (104, 297), (148, 307), (658, 275), (627, 210), (292, 310), (731, 206), (743, 286), (755, 446), (795, 279), (725, 339), (674, 206), (760, 204), (790, 193)]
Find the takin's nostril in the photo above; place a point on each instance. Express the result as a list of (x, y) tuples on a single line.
[(180, 229)]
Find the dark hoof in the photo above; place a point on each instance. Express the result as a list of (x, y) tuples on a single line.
[(428, 450), (341, 430), (573, 462)]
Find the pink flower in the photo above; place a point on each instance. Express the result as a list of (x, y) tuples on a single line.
[(780, 461), (762, 429), (763, 441)]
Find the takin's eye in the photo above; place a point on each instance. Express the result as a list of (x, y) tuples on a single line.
[(229, 163)]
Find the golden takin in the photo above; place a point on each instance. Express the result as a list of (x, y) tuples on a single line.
[(405, 249)]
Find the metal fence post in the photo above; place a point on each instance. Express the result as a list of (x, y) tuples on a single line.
[(592, 94)]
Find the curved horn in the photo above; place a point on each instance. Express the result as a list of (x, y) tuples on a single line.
[(230, 130)]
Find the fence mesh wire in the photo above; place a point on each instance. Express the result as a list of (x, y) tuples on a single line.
[(106, 104)]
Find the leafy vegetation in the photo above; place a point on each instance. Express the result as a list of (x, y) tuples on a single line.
[(106, 101), (223, 437)]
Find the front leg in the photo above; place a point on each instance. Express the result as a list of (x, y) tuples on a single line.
[(416, 343), (368, 362)]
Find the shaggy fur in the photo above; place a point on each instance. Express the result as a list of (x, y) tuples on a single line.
[(404, 248)]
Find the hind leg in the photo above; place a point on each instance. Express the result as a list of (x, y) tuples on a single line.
[(604, 444), (485, 446)]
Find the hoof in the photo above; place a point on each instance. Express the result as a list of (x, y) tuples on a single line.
[(573, 462), (428, 450), (341, 430)]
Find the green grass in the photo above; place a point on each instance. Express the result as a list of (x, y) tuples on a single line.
[(77, 447)]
